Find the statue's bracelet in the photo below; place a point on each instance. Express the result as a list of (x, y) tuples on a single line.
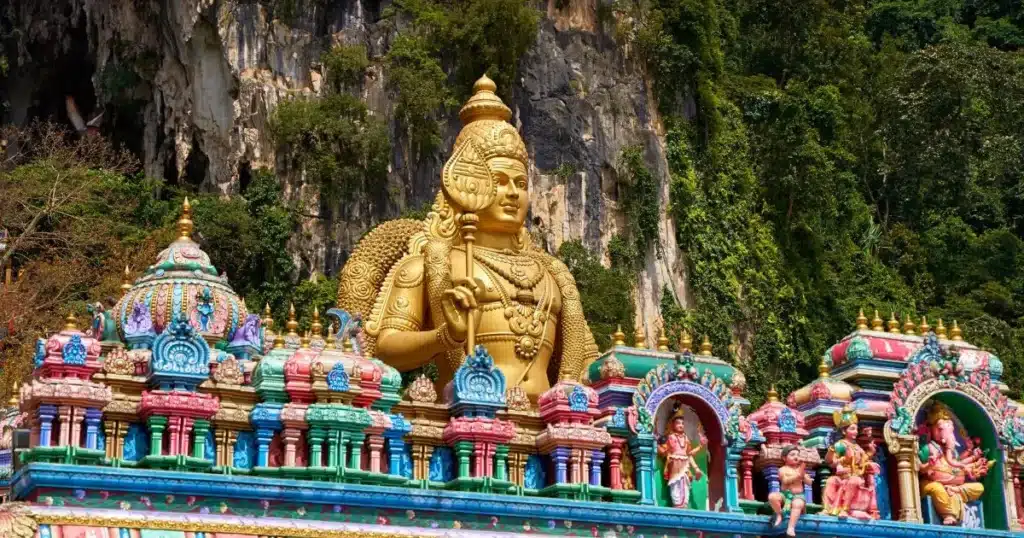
[(445, 338)]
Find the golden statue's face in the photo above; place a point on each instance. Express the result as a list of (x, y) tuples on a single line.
[(508, 212)]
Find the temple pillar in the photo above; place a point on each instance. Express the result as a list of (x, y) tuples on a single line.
[(501, 462), (905, 450), (560, 457), (1009, 491), (77, 417), (355, 460), (479, 455), (316, 438), (463, 450), (200, 428), (771, 474), (186, 433), (92, 428), (615, 464), (747, 472), (375, 444), (642, 447), (64, 425), (111, 429), (156, 434), (808, 489), (396, 447), (121, 430), (263, 438), (174, 435), (421, 454), (290, 437), (334, 459), (45, 415), (596, 459)]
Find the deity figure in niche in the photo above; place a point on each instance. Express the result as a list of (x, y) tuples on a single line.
[(678, 451), (792, 478), (850, 492), (950, 476)]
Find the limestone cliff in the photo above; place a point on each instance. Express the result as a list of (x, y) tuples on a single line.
[(190, 85)]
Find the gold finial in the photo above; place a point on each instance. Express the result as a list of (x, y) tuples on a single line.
[(484, 104), (279, 341), (292, 325), (773, 395), (332, 340), (862, 320), (316, 326), (823, 369), (618, 337), (126, 282), (705, 346), (940, 329), (908, 326), (304, 341), (15, 392), (346, 345), (876, 322), (185, 222), (268, 318), (955, 333), (685, 341), (71, 322), (639, 340), (662, 339), (924, 328), (894, 326)]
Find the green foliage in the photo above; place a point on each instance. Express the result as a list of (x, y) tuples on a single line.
[(339, 145), (345, 66), (638, 192), (604, 292), (420, 86), (317, 292)]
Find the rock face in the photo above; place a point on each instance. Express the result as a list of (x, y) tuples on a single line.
[(204, 76)]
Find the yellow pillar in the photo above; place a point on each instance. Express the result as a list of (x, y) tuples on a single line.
[(905, 449)]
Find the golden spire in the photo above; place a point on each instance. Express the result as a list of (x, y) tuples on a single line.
[(15, 392), (484, 104), (908, 326), (894, 326), (126, 282), (268, 318), (823, 369), (279, 341), (304, 341), (346, 345), (662, 339), (955, 333), (316, 326), (292, 325), (332, 340), (639, 340), (705, 346), (618, 337), (940, 329), (71, 322), (685, 342), (876, 322), (862, 320), (185, 222), (924, 328), (773, 395)]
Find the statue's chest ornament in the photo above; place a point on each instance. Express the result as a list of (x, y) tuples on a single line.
[(527, 316)]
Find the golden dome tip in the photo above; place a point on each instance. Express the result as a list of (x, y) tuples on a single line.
[(484, 84), (773, 395)]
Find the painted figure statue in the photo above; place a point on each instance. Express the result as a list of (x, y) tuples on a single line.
[(950, 476), (851, 489), (792, 478), (409, 278), (680, 467)]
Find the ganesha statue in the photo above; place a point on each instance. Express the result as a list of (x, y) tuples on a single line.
[(950, 476), (850, 491)]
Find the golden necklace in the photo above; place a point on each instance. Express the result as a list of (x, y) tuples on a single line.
[(521, 271), (526, 320)]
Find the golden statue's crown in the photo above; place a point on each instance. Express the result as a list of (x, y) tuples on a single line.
[(843, 418), (680, 412), (938, 412)]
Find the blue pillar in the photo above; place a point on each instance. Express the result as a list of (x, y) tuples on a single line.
[(808, 488), (264, 436), (92, 425), (45, 414), (396, 446), (596, 459), (266, 420), (732, 480), (642, 447), (560, 456), (771, 474)]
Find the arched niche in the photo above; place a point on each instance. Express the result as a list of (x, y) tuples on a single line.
[(712, 415)]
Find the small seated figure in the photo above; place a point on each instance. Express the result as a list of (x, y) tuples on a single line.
[(851, 490), (792, 478), (680, 467), (950, 477)]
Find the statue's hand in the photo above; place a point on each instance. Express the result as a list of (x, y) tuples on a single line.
[(457, 303)]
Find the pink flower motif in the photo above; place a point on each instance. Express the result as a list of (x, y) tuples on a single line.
[(265, 504), (382, 520), (190, 500), (494, 522), (410, 515), (104, 495), (594, 532), (169, 499)]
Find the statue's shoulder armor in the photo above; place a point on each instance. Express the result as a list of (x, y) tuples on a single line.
[(375, 255), (405, 274)]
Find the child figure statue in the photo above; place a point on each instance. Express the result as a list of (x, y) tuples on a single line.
[(792, 479), (675, 447)]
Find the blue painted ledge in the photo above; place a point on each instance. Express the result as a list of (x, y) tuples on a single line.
[(145, 481)]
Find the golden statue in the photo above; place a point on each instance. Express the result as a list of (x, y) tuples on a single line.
[(421, 299)]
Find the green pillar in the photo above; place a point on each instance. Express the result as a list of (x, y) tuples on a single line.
[(157, 425), (199, 429), (463, 449), (356, 459), (316, 439), (333, 442), (501, 463)]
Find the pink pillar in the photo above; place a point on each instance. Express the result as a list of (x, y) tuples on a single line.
[(747, 466), (615, 463), (489, 450), (174, 436), (376, 444), (291, 438), (64, 437), (186, 433), (77, 416), (478, 459)]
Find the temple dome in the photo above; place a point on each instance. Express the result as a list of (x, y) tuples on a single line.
[(181, 280), (823, 388)]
